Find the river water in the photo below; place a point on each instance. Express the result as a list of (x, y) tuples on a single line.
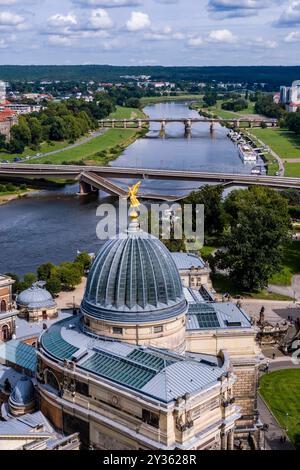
[(53, 225)]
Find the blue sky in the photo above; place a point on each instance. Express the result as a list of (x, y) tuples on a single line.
[(150, 32)]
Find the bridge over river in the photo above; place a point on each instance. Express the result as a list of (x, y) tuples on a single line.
[(237, 122), (99, 178)]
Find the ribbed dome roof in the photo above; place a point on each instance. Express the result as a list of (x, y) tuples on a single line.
[(35, 297), (134, 278), (23, 394)]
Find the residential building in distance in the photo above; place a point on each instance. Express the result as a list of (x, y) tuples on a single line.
[(290, 96)]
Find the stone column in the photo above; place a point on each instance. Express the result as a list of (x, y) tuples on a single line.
[(230, 440), (139, 124), (125, 124), (223, 441), (112, 123)]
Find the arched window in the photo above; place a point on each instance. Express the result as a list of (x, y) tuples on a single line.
[(5, 333), (3, 306), (51, 379)]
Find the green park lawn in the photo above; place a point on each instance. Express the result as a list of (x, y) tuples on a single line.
[(45, 147), (106, 142), (281, 392), (292, 170), (291, 265), (222, 284), (284, 142), (98, 150), (126, 113), (223, 113)]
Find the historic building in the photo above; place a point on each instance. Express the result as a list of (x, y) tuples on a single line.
[(36, 303), (7, 312), (149, 364), (194, 272), (8, 118)]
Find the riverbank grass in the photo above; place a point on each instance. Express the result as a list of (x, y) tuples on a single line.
[(223, 113), (87, 149), (291, 265), (281, 392), (161, 99), (284, 142), (99, 150)]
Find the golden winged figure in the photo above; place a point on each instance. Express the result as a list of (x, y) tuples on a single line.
[(133, 190)]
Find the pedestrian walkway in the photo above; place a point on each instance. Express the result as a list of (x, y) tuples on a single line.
[(272, 439)]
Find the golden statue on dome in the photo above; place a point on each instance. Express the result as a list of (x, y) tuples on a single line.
[(133, 190)]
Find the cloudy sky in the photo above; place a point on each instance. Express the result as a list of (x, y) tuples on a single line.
[(152, 32)]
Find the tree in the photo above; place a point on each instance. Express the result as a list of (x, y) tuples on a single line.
[(293, 122), (21, 132), (69, 274), (2, 141), (16, 146), (29, 279), (35, 130), (210, 98), (211, 198), (84, 259), (258, 226), (45, 271), (54, 285), (133, 103)]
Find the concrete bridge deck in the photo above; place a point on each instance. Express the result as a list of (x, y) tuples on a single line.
[(188, 122), (74, 172)]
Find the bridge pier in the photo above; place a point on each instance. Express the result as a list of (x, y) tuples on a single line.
[(85, 188), (188, 128), (162, 132)]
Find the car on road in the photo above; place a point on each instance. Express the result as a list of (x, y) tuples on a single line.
[(277, 173), (17, 159)]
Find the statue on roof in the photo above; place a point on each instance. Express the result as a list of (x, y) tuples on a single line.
[(133, 190)]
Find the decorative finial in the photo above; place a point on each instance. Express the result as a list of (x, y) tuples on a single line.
[(134, 203)]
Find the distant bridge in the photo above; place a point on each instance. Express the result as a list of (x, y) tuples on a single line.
[(98, 177), (188, 122)]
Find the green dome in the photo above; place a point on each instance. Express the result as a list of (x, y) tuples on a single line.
[(134, 279)]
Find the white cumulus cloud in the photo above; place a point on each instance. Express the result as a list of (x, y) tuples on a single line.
[(100, 19), (108, 3), (293, 36), (196, 41), (10, 19), (62, 20), (291, 15), (138, 21), (222, 35), (57, 40)]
